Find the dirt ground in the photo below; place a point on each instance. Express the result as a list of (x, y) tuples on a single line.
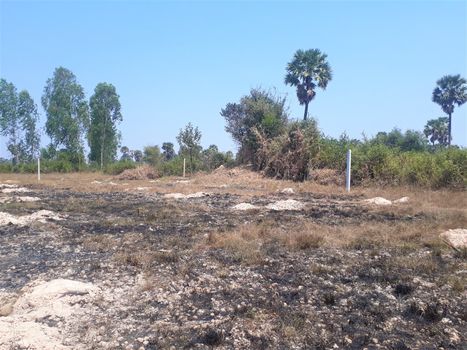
[(227, 260)]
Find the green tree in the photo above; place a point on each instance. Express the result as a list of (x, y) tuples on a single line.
[(18, 118), (127, 155), (28, 116), (307, 70), (103, 136), (152, 155), (436, 130), (9, 122), (168, 150), (259, 113), (450, 90), (67, 112), (138, 156), (189, 141)]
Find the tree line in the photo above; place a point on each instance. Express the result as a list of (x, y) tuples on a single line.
[(266, 135), (282, 147)]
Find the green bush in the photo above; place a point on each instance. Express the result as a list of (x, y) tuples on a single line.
[(118, 167), (173, 167)]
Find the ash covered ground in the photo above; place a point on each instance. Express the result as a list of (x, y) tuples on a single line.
[(154, 272)]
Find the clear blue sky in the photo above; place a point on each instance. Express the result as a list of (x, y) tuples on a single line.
[(176, 62)]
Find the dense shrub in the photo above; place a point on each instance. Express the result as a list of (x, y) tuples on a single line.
[(118, 167), (289, 155)]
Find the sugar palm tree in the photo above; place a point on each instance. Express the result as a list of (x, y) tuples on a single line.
[(307, 70), (450, 90)]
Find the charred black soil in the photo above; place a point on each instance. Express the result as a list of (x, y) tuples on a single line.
[(171, 279)]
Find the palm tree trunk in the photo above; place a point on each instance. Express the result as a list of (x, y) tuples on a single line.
[(305, 115), (449, 131)]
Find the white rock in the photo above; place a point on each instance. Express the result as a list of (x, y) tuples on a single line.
[(289, 204), (288, 190), (457, 238), (402, 200), (54, 299), (378, 201), (41, 216), (244, 206), (185, 196), (15, 190)]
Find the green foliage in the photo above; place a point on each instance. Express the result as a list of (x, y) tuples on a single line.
[(118, 167), (450, 90), (189, 141), (172, 167), (127, 154), (436, 131), (138, 156), (67, 112), (411, 140), (378, 163), (18, 119), (307, 70), (152, 155), (290, 154), (103, 137), (168, 150), (262, 112), (212, 158)]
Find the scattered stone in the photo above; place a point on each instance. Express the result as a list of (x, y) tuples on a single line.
[(378, 201), (19, 199), (40, 216), (289, 204), (402, 200), (288, 190), (244, 206), (15, 190), (8, 185), (185, 196), (456, 238), (58, 299)]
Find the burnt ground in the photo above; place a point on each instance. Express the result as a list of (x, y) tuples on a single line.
[(168, 281)]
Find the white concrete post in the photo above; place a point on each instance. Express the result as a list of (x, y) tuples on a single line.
[(183, 167), (347, 172), (38, 168)]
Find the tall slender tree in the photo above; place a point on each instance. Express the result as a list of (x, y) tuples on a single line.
[(103, 137), (18, 119), (28, 116), (189, 141), (67, 112), (307, 70), (9, 123), (450, 90)]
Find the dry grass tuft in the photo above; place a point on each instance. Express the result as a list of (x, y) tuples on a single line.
[(145, 260), (100, 243)]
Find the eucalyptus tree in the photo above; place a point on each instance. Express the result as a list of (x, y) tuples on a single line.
[(28, 117), (450, 90), (9, 123), (189, 141), (103, 136), (307, 70), (67, 112), (18, 119)]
